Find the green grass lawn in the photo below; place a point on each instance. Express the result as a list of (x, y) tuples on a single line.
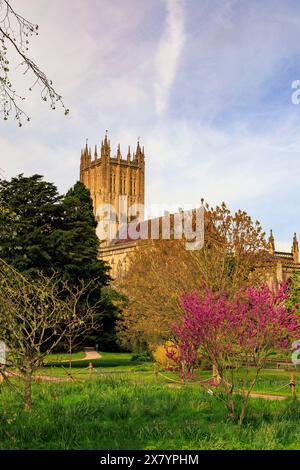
[(271, 381), (116, 413), (122, 407), (118, 363), (58, 357)]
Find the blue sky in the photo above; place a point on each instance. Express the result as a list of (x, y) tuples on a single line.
[(206, 84)]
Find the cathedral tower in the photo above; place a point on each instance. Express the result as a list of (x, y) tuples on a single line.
[(109, 178)]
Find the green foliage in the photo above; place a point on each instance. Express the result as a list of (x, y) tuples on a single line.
[(294, 296), (145, 356), (77, 244), (114, 303), (35, 205), (42, 231), (51, 233), (115, 414), (108, 360)]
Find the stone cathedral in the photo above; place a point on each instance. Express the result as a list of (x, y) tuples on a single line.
[(110, 177)]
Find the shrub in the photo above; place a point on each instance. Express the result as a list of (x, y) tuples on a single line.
[(145, 356), (161, 357)]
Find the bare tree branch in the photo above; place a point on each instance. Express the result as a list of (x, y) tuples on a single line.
[(36, 316), (15, 32)]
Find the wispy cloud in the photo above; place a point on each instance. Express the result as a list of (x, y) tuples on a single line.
[(169, 52), (206, 84)]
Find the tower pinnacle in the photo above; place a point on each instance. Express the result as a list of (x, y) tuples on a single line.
[(271, 243), (295, 249)]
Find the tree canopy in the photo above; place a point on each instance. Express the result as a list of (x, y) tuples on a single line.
[(43, 232), (28, 237), (163, 270)]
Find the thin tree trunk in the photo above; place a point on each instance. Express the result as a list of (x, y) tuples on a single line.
[(70, 353), (243, 412), (231, 406), (27, 389), (246, 399), (227, 387), (216, 375)]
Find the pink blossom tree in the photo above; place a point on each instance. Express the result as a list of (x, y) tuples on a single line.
[(236, 334)]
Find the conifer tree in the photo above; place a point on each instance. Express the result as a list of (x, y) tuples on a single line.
[(77, 245), (42, 232), (32, 212)]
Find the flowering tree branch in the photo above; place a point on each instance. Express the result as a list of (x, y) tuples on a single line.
[(236, 334)]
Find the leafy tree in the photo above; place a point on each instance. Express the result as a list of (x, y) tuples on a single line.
[(6, 232), (15, 32), (293, 300), (114, 304), (34, 319), (37, 214), (77, 244), (236, 334), (51, 234), (76, 251), (234, 255)]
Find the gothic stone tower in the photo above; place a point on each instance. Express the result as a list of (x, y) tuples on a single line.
[(109, 177)]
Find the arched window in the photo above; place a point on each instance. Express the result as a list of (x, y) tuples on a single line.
[(112, 183), (123, 184), (133, 189)]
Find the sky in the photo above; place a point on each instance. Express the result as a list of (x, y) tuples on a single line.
[(205, 84)]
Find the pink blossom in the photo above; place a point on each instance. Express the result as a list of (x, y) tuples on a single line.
[(253, 323)]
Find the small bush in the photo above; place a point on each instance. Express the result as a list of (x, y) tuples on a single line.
[(145, 356), (160, 356)]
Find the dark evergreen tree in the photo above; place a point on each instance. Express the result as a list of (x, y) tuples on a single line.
[(77, 252), (77, 245), (32, 213), (44, 232)]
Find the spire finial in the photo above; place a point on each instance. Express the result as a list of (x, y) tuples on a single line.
[(295, 249), (105, 147), (86, 149), (105, 138), (119, 156), (138, 149), (271, 243)]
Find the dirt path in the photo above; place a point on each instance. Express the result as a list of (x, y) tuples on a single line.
[(40, 378), (90, 354), (267, 396)]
